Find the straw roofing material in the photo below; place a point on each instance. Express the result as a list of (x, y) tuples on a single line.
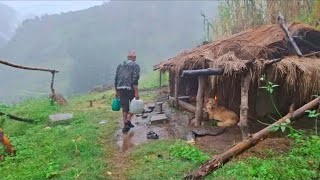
[(262, 43)]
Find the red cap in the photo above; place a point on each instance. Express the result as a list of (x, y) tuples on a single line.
[(132, 53)]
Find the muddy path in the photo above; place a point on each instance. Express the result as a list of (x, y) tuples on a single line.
[(177, 128)]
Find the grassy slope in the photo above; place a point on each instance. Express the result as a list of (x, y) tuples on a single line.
[(74, 150), (301, 162), (84, 149)]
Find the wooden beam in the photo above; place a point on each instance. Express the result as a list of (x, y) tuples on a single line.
[(218, 161), (286, 30), (187, 106), (200, 96), (311, 54), (202, 72), (245, 83), (26, 67)]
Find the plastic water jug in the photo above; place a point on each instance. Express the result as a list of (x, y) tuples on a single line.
[(116, 104), (136, 106)]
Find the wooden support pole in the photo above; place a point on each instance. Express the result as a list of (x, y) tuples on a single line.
[(160, 79), (219, 160), (176, 90), (245, 83), (200, 96), (52, 82)]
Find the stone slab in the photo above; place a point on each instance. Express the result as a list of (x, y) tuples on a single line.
[(60, 117), (212, 131), (158, 118)]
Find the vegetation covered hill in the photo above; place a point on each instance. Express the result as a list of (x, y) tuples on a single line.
[(7, 21), (86, 46)]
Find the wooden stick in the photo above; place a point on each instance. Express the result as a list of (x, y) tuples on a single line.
[(252, 140), (27, 68), (311, 54), (16, 118), (286, 30)]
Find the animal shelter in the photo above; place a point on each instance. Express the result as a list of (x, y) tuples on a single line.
[(230, 69)]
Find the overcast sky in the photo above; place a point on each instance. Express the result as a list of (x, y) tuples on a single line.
[(30, 8)]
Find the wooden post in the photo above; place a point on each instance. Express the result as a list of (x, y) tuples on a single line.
[(176, 90), (200, 95), (160, 85), (245, 83)]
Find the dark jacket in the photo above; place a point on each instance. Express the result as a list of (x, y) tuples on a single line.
[(127, 75)]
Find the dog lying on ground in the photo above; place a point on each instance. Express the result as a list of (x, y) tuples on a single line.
[(225, 116)]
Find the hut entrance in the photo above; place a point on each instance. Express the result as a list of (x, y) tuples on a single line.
[(188, 89), (187, 85)]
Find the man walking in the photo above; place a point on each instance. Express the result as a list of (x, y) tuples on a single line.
[(126, 85)]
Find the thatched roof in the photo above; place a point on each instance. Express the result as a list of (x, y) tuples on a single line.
[(262, 44)]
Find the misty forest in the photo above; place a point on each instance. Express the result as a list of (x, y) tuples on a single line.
[(160, 89)]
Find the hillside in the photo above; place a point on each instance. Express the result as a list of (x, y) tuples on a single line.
[(87, 45), (7, 21)]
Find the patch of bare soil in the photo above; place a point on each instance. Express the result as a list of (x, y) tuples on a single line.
[(268, 148), (220, 143)]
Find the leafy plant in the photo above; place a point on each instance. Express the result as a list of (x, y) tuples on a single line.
[(314, 114), (189, 152), (269, 87)]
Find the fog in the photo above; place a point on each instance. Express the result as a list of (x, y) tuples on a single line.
[(87, 45)]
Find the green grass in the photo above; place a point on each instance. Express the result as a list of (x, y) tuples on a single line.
[(75, 150), (301, 162), (151, 80), (157, 160), (83, 149)]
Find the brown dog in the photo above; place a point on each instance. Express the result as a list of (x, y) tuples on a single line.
[(225, 116)]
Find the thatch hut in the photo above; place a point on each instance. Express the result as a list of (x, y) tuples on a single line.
[(244, 58)]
